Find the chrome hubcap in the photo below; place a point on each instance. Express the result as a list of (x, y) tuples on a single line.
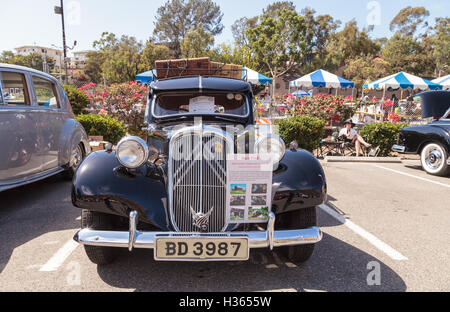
[(77, 157), (433, 158)]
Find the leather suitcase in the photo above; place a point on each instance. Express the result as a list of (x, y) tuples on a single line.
[(182, 67)]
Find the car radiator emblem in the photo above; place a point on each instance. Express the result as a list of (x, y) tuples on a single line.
[(201, 220)]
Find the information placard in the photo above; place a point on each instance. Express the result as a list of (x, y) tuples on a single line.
[(249, 188)]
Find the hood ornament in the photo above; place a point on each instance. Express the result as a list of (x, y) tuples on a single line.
[(201, 220)]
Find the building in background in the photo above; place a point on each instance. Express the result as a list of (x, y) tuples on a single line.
[(78, 63), (55, 54)]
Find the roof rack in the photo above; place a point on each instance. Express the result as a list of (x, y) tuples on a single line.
[(169, 69)]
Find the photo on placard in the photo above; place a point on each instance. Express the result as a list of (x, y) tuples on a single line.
[(238, 189), (259, 188), (259, 200), (255, 214), (237, 200), (237, 214)]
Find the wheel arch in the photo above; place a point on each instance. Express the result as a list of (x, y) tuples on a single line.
[(72, 134)]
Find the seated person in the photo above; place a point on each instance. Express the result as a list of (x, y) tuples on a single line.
[(350, 135)]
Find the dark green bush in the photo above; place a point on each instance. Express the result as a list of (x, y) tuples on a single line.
[(382, 134), (78, 100), (306, 131), (111, 129)]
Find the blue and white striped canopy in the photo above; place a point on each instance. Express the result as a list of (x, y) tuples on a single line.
[(443, 81), (254, 77), (322, 78), (147, 77), (301, 93), (403, 81)]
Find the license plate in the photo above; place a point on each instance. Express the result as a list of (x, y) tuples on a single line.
[(199, 248)]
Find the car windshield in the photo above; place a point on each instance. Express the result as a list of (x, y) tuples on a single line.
[(171, 104)]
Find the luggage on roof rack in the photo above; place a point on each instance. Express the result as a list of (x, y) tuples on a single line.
[(196, 67)]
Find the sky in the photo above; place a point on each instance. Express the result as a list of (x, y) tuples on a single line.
[(29, 22)]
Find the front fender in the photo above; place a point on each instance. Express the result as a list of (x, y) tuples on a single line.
[(102, 184), (299, 182), (414, 138)]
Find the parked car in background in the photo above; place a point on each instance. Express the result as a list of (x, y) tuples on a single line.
[(432, 141), (39, 136)]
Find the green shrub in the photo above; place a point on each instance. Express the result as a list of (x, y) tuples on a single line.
[(306, 131), (78, 100), (382, 134), (111, 129)]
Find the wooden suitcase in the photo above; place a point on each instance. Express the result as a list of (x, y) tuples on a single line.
[(216, 68), (232, 71), (182, 67)]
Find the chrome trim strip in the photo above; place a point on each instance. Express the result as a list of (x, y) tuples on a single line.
[(132, 236), (146, 240), (399, 148), (271, 230), (5, 185)]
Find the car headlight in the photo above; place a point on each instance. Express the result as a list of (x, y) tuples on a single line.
[(132, 152), (271, 144)]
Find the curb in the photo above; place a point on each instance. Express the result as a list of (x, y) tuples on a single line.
[(363, 159)]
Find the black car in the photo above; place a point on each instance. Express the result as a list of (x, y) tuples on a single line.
[(152, 194), (432, 141)]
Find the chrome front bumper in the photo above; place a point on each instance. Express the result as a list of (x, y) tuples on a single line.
[(399, 148), (147, 240)]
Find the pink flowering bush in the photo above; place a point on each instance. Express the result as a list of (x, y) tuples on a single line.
[(323, 106), (125, 102)]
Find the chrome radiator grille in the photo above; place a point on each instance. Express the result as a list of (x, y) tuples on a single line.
[(198, 179)]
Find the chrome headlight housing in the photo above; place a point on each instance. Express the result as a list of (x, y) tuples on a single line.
[(271, 144), (132, 152)]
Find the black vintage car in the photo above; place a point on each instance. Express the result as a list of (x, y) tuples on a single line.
[(432, 141), (141, 196)]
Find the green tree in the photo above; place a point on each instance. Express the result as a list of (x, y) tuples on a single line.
[(121, 57), (235, 54), (366, 68), (197, 42), (441, 45), (176, 17), (151, 53), (278, 41), (319, 31), (32, 60), (93, 67), (273, 8), (406, 53), (348, 44), (239, 29), (409, 19)]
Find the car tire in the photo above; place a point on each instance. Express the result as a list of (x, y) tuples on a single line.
[(102, 222), (301, 219), (434, 159), (76, 157)]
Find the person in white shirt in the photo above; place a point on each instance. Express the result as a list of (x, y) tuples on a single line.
[(349, 134)]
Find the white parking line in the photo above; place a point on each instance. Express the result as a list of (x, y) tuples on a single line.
[(413, 176), (59, 257), (391, 252)]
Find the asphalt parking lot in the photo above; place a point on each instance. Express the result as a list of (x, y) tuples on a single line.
[(386, 228)]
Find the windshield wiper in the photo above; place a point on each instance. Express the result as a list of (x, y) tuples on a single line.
[(224, 118)]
